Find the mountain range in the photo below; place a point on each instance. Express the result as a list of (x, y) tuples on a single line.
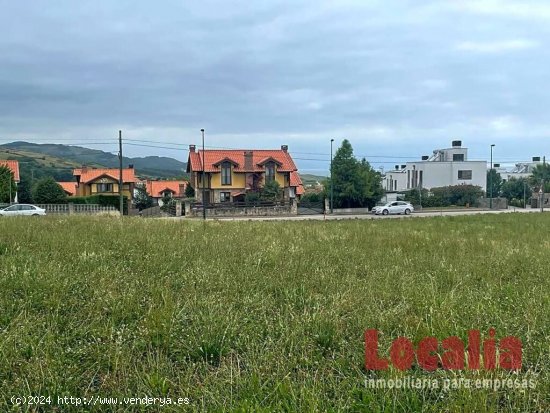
[(59, 160)]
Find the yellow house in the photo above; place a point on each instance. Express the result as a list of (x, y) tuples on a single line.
[(230, 174), (92, 181)]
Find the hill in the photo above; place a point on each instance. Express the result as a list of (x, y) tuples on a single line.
[(312, 180), (60, 157)]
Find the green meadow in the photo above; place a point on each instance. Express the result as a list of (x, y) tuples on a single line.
[(266, 316)]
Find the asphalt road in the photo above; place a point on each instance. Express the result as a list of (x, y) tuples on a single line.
[(320, 217)]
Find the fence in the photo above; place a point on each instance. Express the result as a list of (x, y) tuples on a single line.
[(82, 209)]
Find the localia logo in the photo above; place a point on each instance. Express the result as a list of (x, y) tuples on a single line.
[(453, 354)]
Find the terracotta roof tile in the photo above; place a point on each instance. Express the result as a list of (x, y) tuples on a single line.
[(13, 166), (91, 174), (296, 181), (237, 156), (156, 188), (69, 187)]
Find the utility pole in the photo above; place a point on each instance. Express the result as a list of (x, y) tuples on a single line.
[(491, 178), (331, 180), (542, 184), (203, 180), (120, 173), (524, 196)]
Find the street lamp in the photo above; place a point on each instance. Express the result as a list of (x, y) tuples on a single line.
[(491, 178), (203, 180), (331, 181)]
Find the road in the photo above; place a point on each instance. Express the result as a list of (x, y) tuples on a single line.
[(320, 217)]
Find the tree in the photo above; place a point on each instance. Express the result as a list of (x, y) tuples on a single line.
[(189, 191), (47, 191), (7, 185), (356, 184), (494, 178), (271, 191), (516, 189), (541, 173), (142, 199), (371, 184), (167, 203), (24, 194)]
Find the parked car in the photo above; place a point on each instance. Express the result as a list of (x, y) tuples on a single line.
[(22, 209), (397, 207)]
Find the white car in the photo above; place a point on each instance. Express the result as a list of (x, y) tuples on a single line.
[(397, 207), (22, 209)]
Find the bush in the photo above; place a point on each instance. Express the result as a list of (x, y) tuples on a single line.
[(312, 197), (459, 195), (47, 191), (271, 191), (252, 197), (103, 200)]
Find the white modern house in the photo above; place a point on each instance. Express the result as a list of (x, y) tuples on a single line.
[(520, 170), (445, 167)]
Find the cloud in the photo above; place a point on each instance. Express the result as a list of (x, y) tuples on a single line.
[(524, 9), (497, 46)]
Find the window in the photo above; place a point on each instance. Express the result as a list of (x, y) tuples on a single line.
[(465, 174), (270, 172), (421, 176), (458, 157), (225, 196), (226, 173), (167, 194), (104, 187)]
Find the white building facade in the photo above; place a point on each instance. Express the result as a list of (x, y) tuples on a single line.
[(520, 170), (445, 167)]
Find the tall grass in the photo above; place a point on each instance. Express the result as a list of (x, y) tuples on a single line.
[(265, 316)]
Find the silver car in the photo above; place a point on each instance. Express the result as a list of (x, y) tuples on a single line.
[(22, 209), (396, 207)]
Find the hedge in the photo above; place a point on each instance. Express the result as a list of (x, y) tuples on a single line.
[(103, 200)]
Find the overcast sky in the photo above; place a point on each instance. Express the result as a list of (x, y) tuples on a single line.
[(397, 78)]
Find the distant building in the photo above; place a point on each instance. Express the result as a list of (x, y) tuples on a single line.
[(92, 181), (445, 167), (162, 189), (230, 174), (13, 166), (520, 170)]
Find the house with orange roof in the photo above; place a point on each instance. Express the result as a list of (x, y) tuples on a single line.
[(68, 187), (13, 166), (230, 174), (103, 181), (165, 189)]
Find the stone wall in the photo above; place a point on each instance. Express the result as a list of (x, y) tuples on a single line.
[(233, 211), (498, 203)]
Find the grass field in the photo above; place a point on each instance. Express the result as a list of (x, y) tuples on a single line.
[(265, 316)]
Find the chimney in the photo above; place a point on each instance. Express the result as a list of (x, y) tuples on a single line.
[(425, 157), (192, 148), (457, 144), (248, 164), (84, 169), (284, 148), (536, 158)]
